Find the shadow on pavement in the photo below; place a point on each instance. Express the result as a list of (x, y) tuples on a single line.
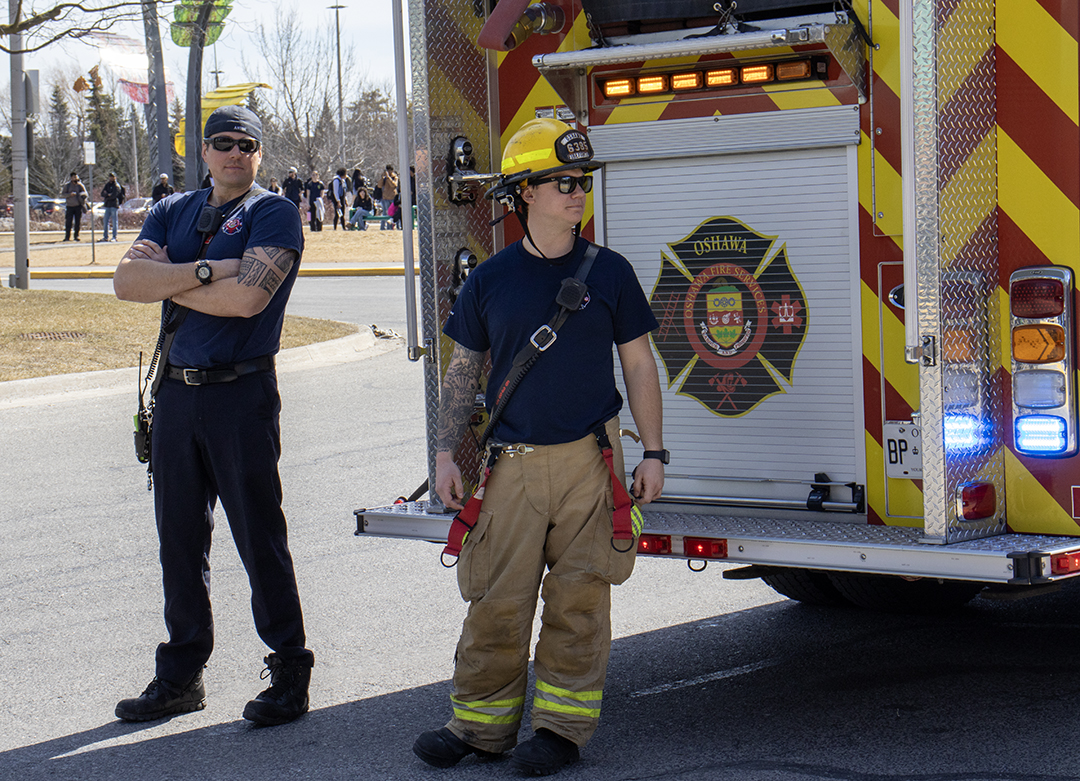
[(781, 691)]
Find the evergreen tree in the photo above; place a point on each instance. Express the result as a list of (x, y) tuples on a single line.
[(105, 122), (177, 114), (143, 175), (56, 149)]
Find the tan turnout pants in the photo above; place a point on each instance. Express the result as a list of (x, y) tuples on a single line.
[(548, 508)]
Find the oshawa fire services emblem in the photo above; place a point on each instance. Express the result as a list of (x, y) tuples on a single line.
[(232, 225), (732, 316)]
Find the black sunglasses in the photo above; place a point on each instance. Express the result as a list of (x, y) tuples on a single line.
[(568, 183), (225, 144)]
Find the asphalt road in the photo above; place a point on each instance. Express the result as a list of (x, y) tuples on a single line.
[(709, 679)]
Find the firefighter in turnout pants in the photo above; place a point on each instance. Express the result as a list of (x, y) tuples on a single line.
[(551, 499)]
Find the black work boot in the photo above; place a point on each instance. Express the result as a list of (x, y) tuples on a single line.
[(164, 698), (442, 748), (287, 697), (545, 753)]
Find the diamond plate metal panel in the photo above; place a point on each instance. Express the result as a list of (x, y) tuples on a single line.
[(451, 81), (956, 257)]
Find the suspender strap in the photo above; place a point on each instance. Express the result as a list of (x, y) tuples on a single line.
[(541, 340), (465, 520), (626, 521)]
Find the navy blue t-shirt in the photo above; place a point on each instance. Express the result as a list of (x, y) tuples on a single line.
[(571, 389), (265, 220)]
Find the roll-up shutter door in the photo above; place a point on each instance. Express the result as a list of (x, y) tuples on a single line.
[(750, 264)]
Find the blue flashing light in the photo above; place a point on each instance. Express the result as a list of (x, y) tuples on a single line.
[(1041, 434), (962, 432)]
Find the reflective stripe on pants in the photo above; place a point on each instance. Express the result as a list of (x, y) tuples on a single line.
[(548, 509), (552, 698), (497, 712)]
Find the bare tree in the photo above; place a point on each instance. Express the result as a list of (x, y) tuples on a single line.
[(300, 120), (48, 22), (371, 130)]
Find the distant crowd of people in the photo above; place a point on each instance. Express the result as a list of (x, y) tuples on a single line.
[(348, 200)]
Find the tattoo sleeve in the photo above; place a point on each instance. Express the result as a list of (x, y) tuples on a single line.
[(458, 396), (265, 268)]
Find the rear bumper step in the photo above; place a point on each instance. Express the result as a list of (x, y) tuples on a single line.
[(1019, 559)]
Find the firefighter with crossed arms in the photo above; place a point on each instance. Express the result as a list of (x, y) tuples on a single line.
[(549, 498)]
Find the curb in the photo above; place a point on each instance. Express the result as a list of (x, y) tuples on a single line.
[(109, 382)]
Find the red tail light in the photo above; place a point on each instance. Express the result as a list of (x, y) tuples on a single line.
[(655, 544), (1065, 563), (1035, 298), (977, 500), (702, 548)]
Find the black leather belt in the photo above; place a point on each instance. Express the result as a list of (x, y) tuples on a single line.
[(220, 373)]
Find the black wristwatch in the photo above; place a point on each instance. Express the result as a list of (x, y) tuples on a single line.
[(663, 456), (203, 272)]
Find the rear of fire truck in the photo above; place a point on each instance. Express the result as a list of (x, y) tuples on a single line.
[(858, 226)]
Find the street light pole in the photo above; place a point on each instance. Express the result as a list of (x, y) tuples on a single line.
[(340, 101), (215, 72), (19, 163)]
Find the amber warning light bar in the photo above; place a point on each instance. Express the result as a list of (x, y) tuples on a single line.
[(713, 78)]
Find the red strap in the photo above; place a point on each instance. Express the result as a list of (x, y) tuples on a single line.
[(462, 524), (466, 518), (626, 520), (622, 521)]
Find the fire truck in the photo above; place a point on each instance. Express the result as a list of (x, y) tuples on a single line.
[(857, 223)]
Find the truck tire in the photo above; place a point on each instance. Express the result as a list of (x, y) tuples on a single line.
[(891, 594), (810, 586)]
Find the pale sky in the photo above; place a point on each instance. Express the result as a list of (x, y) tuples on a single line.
[(365, 24)]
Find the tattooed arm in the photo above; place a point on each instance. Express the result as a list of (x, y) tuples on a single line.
[(259, 275), (456, 400), (146, 274)]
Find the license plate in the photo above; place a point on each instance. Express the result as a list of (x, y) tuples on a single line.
[(903, 450)]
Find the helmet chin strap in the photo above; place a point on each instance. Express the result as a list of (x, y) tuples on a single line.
[(518, 209), (525, 225)]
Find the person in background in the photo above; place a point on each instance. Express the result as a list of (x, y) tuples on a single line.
[(75, 197), (112, 195), (397, 210), (314, 189), (338, 188), (388, 185), (217, 432), (358, 181), (363, 207), (162, 189), (292, 188), (274, 187)]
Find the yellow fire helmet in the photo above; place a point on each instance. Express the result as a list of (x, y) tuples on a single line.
[(540, 148)]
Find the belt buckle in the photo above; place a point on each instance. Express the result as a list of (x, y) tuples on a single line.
[(543, 337), (516, 450), (190, 376)]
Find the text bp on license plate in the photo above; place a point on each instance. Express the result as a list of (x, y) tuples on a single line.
[(903, 450)]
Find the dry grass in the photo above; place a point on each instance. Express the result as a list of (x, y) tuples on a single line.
[(47, 249), (46, 332)]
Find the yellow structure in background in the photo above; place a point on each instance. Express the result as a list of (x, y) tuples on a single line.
[(234, 95)]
